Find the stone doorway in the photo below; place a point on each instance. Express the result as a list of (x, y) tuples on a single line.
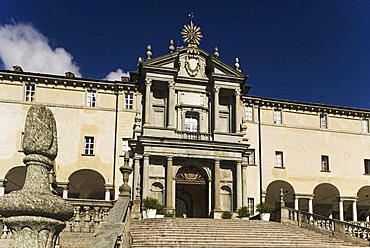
[(191, 193)]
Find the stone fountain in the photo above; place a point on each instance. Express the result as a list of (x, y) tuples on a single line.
[(34, 214)]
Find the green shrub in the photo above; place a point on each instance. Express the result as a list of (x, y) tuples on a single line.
[(243, 212), (169, 214), (227, 215), (264, 208), (151, 203)]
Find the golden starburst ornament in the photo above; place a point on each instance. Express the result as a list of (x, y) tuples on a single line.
[(191, 34)]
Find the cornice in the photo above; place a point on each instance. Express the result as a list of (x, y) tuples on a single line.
[(306, 107), (56, 80)]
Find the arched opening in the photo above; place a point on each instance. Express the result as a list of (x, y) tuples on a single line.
[(156, 191), (86, 184), (273, 193), (191, 192), (226, 198), (363, 203), (15, 179), (325, 201)]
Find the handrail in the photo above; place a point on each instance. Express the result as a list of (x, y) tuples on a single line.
[(323, 222), (115, 231)]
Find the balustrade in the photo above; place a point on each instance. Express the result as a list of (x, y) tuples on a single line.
[(87, 216), (194, 135), (354, 229)]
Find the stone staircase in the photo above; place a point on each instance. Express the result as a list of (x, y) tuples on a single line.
[(178, 232)]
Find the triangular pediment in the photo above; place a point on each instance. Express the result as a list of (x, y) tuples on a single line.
[(196, 64)]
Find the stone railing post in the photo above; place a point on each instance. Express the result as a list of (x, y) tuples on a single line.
[(284, 213), (34, 214)]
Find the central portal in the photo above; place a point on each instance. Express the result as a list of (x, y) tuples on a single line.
[(191, 193)]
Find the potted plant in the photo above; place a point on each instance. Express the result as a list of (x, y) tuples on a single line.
[(150, 206), (243, 213), (227, 215), (265, 210)]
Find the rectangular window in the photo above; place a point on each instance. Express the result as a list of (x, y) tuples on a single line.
[(323, 121), (367, 166), (324, 163), (191, 122), (89, 145), (365, 125), (277, 116), (29, 92), (91, 98), (129, 101), (249, 113), (279, 160), (251, 205)]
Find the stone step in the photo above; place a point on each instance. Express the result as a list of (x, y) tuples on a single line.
[(178, 232)]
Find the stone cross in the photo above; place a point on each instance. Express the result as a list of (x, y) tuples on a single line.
[(34, 214)]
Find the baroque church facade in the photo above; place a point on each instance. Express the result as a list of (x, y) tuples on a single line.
[(197, 141)]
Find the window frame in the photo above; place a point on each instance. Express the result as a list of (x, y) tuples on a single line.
[(249, 112), (323, 121), (29, 92), (278, 117), (89, 146), (250, 205), (191, 116), (367, 166), (325, 164), (280, 164), (91, 98), (365, 128), (129, 100)]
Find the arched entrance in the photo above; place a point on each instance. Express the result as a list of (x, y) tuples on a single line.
[(273, 193), (363, 203), (326, 200), (191, 192), (15, 179), (86, 184)]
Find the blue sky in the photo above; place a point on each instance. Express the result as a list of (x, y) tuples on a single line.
[(313, 51)]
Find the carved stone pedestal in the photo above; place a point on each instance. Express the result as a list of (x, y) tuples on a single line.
[(34, 231)]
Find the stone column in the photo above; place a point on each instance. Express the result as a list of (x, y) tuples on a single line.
[(169, 183), (263, 196), (354, 210), (341, 213), (108, 188), (310, 205), (171, 104), (217, 185), (296, 202), (64, 186), (146, 176), (239, 194), (2, 186), (237, 111), (245, 185), (148, 101), (216, 106), (136, 176)]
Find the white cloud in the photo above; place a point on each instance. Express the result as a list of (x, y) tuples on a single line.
[(116, 75), (22, 44)]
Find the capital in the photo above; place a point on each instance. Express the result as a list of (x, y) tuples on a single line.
[(148, 82), (216, 90), (171, 85), (237, 92)]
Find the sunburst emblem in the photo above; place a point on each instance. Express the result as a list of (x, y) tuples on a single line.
[(191, 34)]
